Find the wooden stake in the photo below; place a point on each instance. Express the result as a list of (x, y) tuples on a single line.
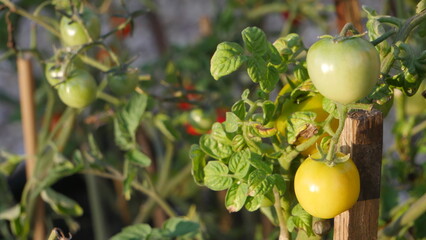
[(362, 137), (348, 11), (26, 92)]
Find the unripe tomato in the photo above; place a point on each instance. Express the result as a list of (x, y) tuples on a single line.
[(416, 104), (54, 74), (123, 83), (78, 90), (72, 32), (312, 104), (325, 191), (201, 120), (344, 71)]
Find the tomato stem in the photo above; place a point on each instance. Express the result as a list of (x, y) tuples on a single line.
[(349, 27), (284, 234), (108, 98), (343, 112)]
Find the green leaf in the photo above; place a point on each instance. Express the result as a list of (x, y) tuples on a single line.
[(254, 203), (219, 134), (11, 213), (300, 219), (138, 157), (255, 41), (257, 69), (273, 55), (239, 164), (268, 111), (227, 59), (245, 94), (232, 122), (164, 124), (214, 148), (239, 109), (61, 204), (257, 162), (270, 80), (238, 143), (130, 173), (421, 6), (330, 107), (280, 183), (271, 214), (134, 232), (198, 158), (217, 176), (236, 197), (176, 227), (259, 183), (298, 122), (11, 161)]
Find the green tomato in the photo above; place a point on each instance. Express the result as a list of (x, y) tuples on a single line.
[(344, 71), (72, 32), (78, 90), (123, 83), (54, 73), (201, 120), (325, 191), (416, 104)]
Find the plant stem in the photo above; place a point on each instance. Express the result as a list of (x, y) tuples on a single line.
[(165, 167), (108, 98), (419, 128), (284, 234), (343, 112)]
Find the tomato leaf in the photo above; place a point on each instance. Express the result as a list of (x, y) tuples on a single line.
[(219, 134), (300, 219), (256, 69), (238, 143), (298, 122), (232, 122), (134, 232), (214, 148), (330, 107), (216, 176), (164, 124), (421, 6), (257, 162), (273, 56), (254, 203), (280, 183), (198, 158), (239, 109), (268, 111), (129, 173), (138, 157), (61, 204), (236, 197), (259, 183), (227, 59), (238, 163), (176, 226), (255, 41), (270, 80)]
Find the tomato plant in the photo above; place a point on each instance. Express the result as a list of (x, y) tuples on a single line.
[(78, 90), (80, 32), (343, 70), (325, 191)]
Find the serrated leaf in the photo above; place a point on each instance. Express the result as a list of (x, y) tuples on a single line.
[(218, 134), (61, 204), (257, 162), (259, 183), (239, 109), (270, 80), (330, 107), (176, 227), (214, 148), (232, 122), (255, 41), (198, 158), (280, 183), (300, 219), (298, 122), (254, 203), (257, 69), (236, 197), (216, 176), (239, 163), (273, 55), (134, 232), (138, 157), (227, 59), (238, 143), (268, 111)]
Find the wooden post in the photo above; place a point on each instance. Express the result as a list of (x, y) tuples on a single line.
[(362, 137), (26, 93), (348, 11)]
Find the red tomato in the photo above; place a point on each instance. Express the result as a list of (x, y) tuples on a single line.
[(126, 31)]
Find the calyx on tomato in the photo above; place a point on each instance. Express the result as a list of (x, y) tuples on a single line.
[(325, 191), (343, 69), (73, 33)]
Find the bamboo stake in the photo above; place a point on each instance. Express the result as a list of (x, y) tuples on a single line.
[(362, 137), (26, 92)]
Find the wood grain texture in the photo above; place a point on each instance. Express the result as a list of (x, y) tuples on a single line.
[(363, 138)]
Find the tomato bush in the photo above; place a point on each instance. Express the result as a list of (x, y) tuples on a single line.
[(325, 191), (343, 70)]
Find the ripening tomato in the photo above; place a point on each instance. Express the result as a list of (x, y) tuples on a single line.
[(312, 104), (325, 191), (123, 83), (78, 90), (125, 31), (73, 33), (343, 70)]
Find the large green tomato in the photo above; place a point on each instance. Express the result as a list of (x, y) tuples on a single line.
[(72, 32), (344, 71), (123, 83), (78, 90), (326, 191)]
